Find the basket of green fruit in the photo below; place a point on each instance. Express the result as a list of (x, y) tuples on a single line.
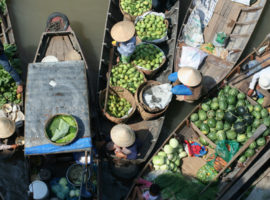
[(126, 76), (120, 104), (148, 58), (61, 129), (145, 112), (152, 27), (133, 8)]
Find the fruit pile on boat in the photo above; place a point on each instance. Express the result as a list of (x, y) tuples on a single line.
[(135, 8), (231, 116), (118, 107)]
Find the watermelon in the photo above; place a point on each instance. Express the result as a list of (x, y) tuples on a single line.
[(219, 125), (260, 141), (241, 110), (212, 136), (264, 113), (250, 107), (221, 93), (239, 127), (240, 102), (256, 114), (220, 135), (194, 117), (266, 121), (222, 98), (248, 118), (230, 117), (233, 92), (249, 152), (211, 122), (231, 108), (203, 141), (219, 115), (205, 107), (211, 114), (231, 135), (266, 132), (241, 138), (256, 123), (258, 107), (231, 100), (241, 95), (222, 105), (198, 123), (202, 115), (226, 126), (214, 105), (204, 128), (260, 101), (242, 159), (249, 134), (253, 145), (227, 89)]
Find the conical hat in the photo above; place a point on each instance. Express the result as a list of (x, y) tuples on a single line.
[(189, 76), (49, 59), (122, 135), (123, 31), (264, 81), (7, 127)]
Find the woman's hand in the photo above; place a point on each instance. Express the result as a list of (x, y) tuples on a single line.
[(250, 92), (119, 154)]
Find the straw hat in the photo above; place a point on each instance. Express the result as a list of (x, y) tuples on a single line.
[(189, 76), (73, 55), (49, 59), (264, 81), (7, 127), (122, 135), (123, 31)]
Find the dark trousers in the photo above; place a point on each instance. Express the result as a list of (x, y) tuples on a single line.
[(162, 5)]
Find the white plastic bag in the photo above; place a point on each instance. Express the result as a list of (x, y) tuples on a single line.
[(158, 96), (191, 57), (158, 14), (245, 2)]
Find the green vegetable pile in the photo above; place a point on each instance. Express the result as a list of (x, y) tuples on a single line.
[(151, 27), (230, 116), (126, 76), (147, 56), (206, 173), (135, 8), (3, 6), (62, 129), (175, 186), (118, 107), (63, 190), (7, 85), (170, 158)]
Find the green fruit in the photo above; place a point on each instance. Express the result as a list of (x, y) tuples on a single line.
[(219, 115), (204, 128), (253, 145), (260, 141), (231, 108), (233, 92), (240, 102), (205, 107), (227, 89), (202, 115), (241, 138), (198, 123), (249, 134), (194, 117), (211, 114), (241, 95), (248, 118), (220, 135), (212, 136), (219, 125), (266, 132), (256, 114), (264, 113), (241, 110), (250, 108), (230, 117), (203, 141), (223, 105), (231, 100), (257, 107), (231, 135), (256, 123), (260, 101), (249, 152), (242, 159), (214, 105), (239, 127), (226, 126)]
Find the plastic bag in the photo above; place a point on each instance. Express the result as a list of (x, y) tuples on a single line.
[(226, 149), (206, 173), (158, 14), (245, 2), (217, 162), (191, 57), (181, 90)]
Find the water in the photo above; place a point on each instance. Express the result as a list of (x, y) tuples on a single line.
[(87, 18)]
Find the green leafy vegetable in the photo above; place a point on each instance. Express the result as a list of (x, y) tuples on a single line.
[(60, 131)]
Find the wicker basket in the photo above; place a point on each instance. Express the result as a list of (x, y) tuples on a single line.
[(122, 93), (128, 16), (48, 123), (145, 114), (148, 72)]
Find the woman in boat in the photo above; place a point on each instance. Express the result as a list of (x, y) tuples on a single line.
[(152, 193), (124, 143), (124, 38), (263, 78), (6, 65), (162, 5), (187, 84)]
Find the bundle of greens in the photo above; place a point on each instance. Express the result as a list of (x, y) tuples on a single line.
[(62, 129), (3, 5)]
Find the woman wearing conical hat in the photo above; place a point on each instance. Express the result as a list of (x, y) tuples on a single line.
[(187, 84), (7, 127), (123, 34)]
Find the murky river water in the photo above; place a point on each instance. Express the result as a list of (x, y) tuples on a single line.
[(87, 18)]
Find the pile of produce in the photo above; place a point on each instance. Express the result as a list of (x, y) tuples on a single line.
[(63, 190), (231, 116), (118, 107), (135, 8), (7, 85), (151, 27), (170, 157), (175, 186), (147, 56), (3, 5), (126, 76), (62, 129)]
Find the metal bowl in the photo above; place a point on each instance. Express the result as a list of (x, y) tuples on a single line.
[(69, 171), (48, 122)]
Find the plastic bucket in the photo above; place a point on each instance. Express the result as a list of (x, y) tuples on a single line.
[(39, 189)]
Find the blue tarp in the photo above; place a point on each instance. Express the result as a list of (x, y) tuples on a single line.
[(80, 144)]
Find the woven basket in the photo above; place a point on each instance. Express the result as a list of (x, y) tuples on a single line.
[(48, 122), (128, 16), (140, 71), (145, 114), (122, 93), (148, 72)]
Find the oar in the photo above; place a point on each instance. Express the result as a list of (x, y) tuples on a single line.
[(108, 81), (247, 70), (257, 133)]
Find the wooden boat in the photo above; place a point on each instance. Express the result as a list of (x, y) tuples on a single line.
[(60, 41), (239, 78), (187, 130), (114, 15), (237, 21)]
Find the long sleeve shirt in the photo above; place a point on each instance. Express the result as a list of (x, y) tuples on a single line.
[(127, 48), (256, 77)]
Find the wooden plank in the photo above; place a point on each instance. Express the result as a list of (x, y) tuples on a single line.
[(257, 133), (247, 176), (202, 135)]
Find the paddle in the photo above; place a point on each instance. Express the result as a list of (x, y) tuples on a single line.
[(108, 81), (257, 133)]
